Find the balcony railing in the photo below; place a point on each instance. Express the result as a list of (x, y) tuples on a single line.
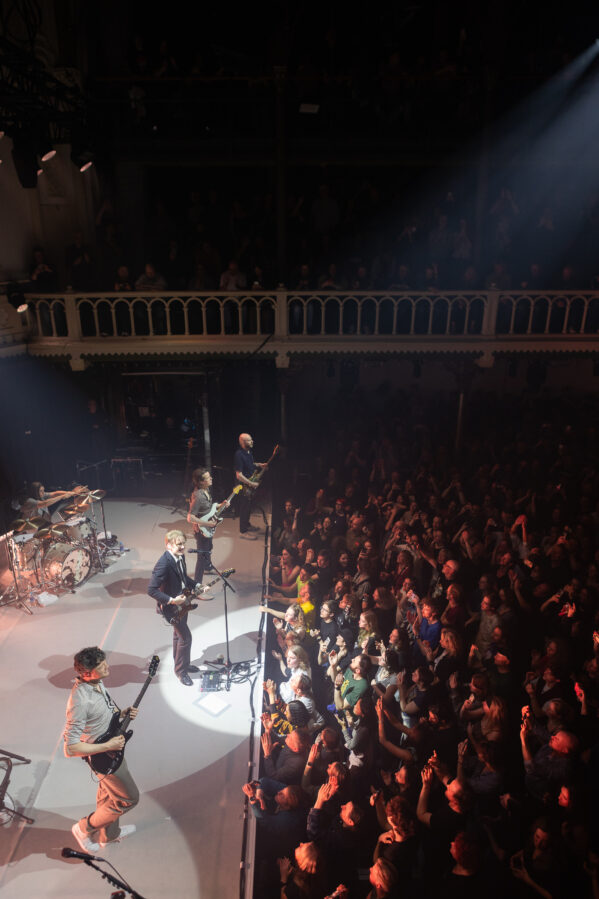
[(318, 316)]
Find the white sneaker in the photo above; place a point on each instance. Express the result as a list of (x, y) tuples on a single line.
[(86, 843), (247, 536), (126, 831)]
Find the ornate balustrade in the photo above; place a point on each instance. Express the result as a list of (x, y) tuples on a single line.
[(92, 324)]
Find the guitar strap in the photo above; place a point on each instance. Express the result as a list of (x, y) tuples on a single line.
[(109, 700)]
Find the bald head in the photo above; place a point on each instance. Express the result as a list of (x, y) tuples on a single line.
[(245, 441)]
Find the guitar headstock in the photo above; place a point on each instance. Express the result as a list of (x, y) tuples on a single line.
[(153, 666), (237, 489)]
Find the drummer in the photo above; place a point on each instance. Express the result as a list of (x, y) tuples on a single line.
[(38, 501)]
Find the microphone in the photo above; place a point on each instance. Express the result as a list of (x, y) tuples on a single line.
[(202, 552), (74, 853)]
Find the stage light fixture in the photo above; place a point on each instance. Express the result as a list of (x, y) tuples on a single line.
[(82, 154), (16, 298), (48, 153)]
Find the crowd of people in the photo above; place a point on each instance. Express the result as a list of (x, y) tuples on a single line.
[(432, 677), (349, 237)]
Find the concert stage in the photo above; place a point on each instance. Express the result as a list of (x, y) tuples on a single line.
[(190, 750)]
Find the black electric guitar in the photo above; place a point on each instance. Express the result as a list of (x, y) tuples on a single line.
[(173, 613), (108, 762), (257, 476)]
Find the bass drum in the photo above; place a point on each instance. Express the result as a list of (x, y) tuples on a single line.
[(66, 564)]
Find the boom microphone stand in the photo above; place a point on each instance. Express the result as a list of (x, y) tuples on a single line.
[(227, 667), (90, 859)]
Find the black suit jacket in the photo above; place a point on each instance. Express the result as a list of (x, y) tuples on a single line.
[(166, 581)]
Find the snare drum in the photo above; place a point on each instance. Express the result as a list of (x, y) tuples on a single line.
[(25, 551), (77, 530), (66, 564)]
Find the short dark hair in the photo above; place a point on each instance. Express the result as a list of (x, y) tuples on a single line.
[(87, 659)]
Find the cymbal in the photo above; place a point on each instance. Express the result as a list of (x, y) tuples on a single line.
[(50, 528), (75, 509), (23, 526), (40, 522), (96, 495)]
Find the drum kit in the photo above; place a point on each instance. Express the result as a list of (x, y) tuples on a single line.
[(53, 556)]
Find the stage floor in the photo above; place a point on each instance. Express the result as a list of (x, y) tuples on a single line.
[(190, 750)]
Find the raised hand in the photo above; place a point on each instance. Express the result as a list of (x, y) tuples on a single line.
[(427, 776), (313, 754), (266, 742), (249, 789), (285, 868)]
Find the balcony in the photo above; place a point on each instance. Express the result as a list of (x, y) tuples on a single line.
[(281, 324)]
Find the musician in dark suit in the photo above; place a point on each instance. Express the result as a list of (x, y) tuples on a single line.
[(169, 579)]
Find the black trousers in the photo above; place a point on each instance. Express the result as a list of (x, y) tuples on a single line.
[(181, 646), (203, 561), (244, 506)]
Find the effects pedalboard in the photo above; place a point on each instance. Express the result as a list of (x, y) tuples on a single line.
[(211, 681)]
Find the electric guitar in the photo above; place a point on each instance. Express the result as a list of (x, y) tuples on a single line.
[(257, 476), (206, 529), (108, 762), (173, 613)]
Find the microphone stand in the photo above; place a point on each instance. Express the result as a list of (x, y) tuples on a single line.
[(227, 666), (121, 885)]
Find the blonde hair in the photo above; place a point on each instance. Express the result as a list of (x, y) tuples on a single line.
[(308, 857), (301, 655), (171, 536), (454, 639)]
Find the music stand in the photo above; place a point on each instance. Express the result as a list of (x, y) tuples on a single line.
[(227, 667)]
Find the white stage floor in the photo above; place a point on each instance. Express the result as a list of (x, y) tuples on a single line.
[(190, 750)]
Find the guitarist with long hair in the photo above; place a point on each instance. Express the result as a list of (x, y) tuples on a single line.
[(200, 505), (90, 710)]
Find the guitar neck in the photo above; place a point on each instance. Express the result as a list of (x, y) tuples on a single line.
[(260, 471), (127, 719)]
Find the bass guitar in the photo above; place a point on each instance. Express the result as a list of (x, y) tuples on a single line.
[(174, 613), (206, 529), (257, 476), (107, 762)]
